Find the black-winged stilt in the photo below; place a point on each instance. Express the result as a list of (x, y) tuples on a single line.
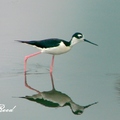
[(54, 46)]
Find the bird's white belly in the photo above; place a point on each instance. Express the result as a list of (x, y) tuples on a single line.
[(56, 50)]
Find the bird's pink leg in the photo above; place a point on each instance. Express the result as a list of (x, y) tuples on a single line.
[(26, 58), (52, 63)]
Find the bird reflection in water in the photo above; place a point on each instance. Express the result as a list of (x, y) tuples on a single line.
[(54, 98)]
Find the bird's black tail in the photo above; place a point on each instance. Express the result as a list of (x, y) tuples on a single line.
[(27, 42), (23, 41)]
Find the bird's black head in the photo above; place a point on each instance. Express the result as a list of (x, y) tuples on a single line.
[(77, 35), (78, 112)]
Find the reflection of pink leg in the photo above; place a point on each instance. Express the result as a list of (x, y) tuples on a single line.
[(25, 78), (26, 57), (52, 63), (51, 76)]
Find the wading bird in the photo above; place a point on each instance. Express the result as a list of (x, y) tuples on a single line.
[(54, 46)]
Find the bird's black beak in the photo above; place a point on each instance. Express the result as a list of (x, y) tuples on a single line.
[(90, 42)]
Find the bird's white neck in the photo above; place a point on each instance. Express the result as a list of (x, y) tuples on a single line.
[(74, 41), (75, 107)]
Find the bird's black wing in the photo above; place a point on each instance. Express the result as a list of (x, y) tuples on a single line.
[(47, 43), (42, 101)]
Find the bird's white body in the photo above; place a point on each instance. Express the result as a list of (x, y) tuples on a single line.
[(56, 50), (62, 48)]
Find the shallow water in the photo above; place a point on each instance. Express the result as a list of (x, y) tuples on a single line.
[(84, 87)]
